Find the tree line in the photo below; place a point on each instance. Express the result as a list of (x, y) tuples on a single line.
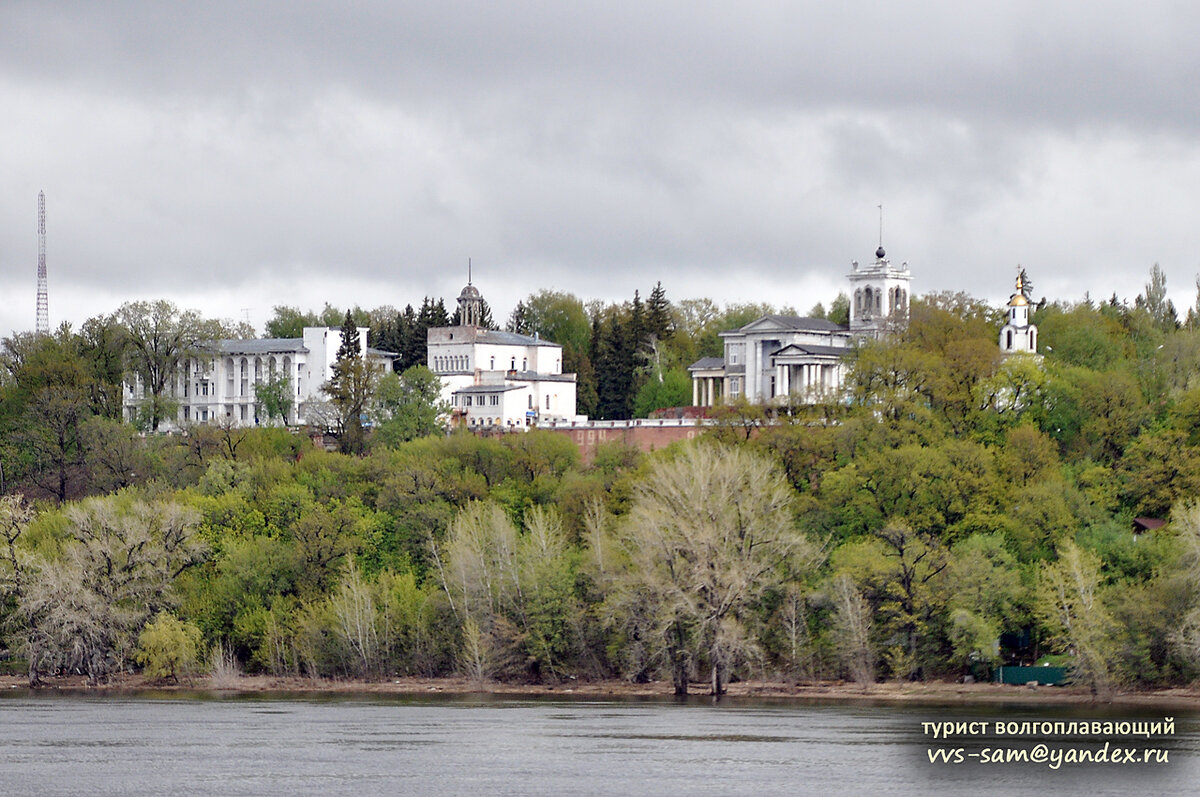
[(959, 510)]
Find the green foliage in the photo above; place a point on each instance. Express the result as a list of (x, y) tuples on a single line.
[(159, 339), (350, 390), (709, 532), (168, 648), (960, 495), (274, 397), (408, 406), (672, 389), (1071, 607)]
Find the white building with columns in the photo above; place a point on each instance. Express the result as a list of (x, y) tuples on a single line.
[(778, 358), (218, 386)]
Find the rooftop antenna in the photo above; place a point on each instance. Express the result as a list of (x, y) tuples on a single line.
[(43, 302), (468, 271)]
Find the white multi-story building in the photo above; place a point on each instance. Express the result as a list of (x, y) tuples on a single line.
[(780, 358), (498, 379), (219, 386)]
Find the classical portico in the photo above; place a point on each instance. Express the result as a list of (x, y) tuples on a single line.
[(708, 382), (808, 372)]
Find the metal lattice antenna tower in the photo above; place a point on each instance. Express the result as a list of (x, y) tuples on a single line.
[(43, 300)]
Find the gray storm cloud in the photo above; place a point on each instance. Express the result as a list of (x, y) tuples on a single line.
[(238, 155)]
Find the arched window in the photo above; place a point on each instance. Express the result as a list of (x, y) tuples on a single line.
[(1008, 339)]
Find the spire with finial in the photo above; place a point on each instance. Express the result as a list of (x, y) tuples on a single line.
[(880, 253), (470, 303)]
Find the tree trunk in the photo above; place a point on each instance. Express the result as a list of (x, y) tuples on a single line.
[(718, 679), (679, 670)]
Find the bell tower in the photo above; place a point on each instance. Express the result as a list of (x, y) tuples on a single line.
[(1018, 335), (470, 303), (878, 295)]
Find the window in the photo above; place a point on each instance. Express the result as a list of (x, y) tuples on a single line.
[(530, 401), (492, 364), (467, 401), (1008, 345), (547, 402), (733, 356), (524, 364), (514, 364), (495, 400), (735, 387)]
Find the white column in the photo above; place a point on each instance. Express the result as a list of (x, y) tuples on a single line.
[(695, 391)]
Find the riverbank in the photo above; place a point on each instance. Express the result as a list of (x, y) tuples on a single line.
[(932, 693)]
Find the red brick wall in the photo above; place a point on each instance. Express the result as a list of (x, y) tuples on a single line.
[(646, 438)]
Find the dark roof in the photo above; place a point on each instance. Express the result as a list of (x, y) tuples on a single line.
[(510, 339), (806, 348), (707, 364), (261, 346), (488, 388), (801, 322), (534, 376), (1148, 523)]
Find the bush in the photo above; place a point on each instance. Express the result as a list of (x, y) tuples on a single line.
[(168, 648)]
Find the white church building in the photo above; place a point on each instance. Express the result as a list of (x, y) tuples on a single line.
[(1018, 335), (778, 358), (498, 379)]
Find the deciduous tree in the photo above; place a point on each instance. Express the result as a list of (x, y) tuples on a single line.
[(709, 532)]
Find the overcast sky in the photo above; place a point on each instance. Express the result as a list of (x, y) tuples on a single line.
[(232, 156)]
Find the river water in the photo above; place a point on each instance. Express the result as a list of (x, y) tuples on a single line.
[(382, 745)]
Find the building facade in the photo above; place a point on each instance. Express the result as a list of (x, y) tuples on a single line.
[(219, 386), (498, 379), (778, 358)]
